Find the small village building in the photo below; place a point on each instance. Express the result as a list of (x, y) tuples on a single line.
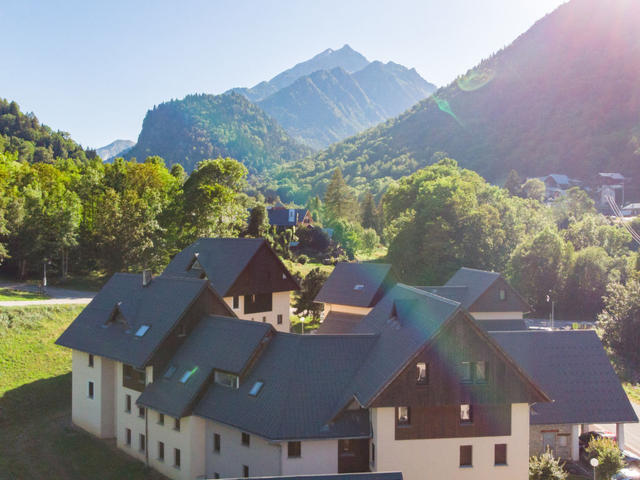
[(283, 217), (610, 185)]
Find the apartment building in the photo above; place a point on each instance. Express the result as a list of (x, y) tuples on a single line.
[(165, 366)]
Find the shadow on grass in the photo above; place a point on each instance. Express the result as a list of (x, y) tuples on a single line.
[(35, 399)]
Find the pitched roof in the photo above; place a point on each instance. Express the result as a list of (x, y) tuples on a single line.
[(337, 476), (573, 369), (405, 319), (222, 259), (159, 306), (339, 322), (286, 217), (502, 325), (304, 377), (457, 293), (356, 284), (216, 342)]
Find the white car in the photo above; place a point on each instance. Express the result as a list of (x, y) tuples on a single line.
[(627, 474)]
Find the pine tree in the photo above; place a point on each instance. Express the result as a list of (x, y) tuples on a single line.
[(339, 200), (369, 212), (258, 222), (514, 183)]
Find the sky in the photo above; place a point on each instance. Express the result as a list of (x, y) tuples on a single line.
[(93, 68)]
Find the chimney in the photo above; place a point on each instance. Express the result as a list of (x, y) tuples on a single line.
[(147, 276)]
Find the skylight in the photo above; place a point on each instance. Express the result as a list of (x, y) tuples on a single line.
[(142, 330), (358, 287), (187, 375), (170, 371), (255, 390)]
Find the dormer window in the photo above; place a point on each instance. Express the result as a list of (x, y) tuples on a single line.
[(503, 294), (116, 316), (257, 387), (195, 263), (188, 374), (359, 287), (142, 330)]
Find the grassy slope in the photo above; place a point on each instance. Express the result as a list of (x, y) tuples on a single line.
[(11, 295), (36, 435)]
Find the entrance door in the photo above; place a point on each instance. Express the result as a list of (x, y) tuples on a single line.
[(353, 455), (549, 441)]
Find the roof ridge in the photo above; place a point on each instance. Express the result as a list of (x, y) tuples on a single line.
[(429, 294)]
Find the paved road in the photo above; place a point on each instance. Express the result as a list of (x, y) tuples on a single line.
[(59, 296), (631, 432)]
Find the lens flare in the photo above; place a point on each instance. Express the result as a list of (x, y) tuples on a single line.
[(475, 79), (444, 106)]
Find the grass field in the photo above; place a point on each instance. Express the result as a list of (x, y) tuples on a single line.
[(36, 435), (633, 392), (7, 294)]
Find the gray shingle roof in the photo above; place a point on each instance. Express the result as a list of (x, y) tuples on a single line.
[(573, 369), (219, 343), (356, 284), (305, 377), (223, 260), (339, 322), (476, 281), (419, 316), (159, 305), (281, 217), (457, 293)]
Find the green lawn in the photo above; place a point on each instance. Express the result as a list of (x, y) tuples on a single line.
[(36, 435), (633, 392), (7, 294)]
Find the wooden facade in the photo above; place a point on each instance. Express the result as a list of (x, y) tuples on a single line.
[(491, 301), (264, 273), (435, 406)]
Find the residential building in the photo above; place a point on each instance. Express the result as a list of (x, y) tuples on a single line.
[(557, 184), (282, 217), (631, 210), (246, 272), (350, 292), (610, 185)]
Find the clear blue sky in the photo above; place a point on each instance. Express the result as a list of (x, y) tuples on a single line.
[(94, 68)]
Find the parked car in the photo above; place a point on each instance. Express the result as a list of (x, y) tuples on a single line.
[(627, 474), (585, 438)]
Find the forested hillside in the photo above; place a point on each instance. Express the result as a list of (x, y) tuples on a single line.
[(208, 126), (22, 134), (330, 105), (564, 97)]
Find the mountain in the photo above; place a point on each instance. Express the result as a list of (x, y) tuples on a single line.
[(22, 134), (346, 58), (115, 148), (564, 98), (330, 105), (207, 126)]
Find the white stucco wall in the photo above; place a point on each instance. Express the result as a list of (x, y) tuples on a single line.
[(280, 306), (497, 315), (334, 307), (437, 459), (261, 456), (95, 415), (316, 457)]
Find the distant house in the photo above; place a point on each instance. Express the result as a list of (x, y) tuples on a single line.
[(350, 292), (556, 184), (631, 210), (610, 185), (289, 217)]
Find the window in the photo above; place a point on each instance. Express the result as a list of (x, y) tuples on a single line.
[(403, 416), (466, 455), (141, 412), (503, 294), (466, 413), (133, 378), (142, 330), (563, 440), (176, 424), (422, 373), (280, 319), (161, 451), (260, 302), (245, 471), (90, 389), (216, 442), (127, 436), (373, 453), (481, 372), (294, 449), (170, 371), (246, 439), (161, 419), (176, 457), (226, 379), (466, 372), (187, 375), (143, 442), (255, 390), (500, 455), (91, 360), (127, 403), (236, 302)]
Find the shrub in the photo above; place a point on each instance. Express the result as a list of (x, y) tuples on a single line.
[(609, 456), (546, 467)]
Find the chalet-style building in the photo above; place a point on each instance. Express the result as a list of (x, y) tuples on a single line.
[(282, 217), (557, 184), (165, 366), (246, 272), (350, 292)]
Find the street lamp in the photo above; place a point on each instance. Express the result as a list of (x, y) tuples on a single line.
[(553, 304), (594, 463)]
